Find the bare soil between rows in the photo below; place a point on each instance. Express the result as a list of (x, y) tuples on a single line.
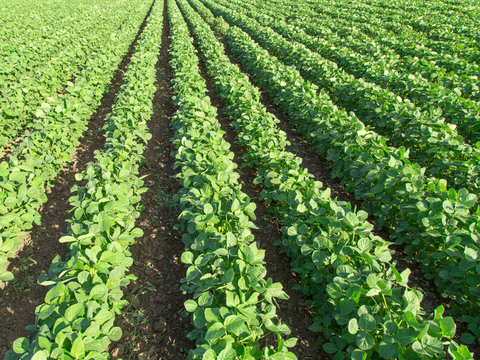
[(153, 327)]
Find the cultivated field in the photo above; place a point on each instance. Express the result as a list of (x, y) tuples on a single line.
[(254, 179)]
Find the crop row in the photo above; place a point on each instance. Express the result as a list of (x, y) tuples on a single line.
[(438, 39), (76, 320), (52, 139), (233, 305), (432, 221), (343, 266)]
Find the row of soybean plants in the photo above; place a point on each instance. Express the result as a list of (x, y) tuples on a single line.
[(414, 55), (361, 303), (33, 73), (431, 142), (453, 27), (53, 137), (438, 226), (232, 305), (455, 96), (440, 40), (76, 320), (355, 80)]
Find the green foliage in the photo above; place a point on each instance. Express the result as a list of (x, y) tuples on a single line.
[(37, 65), (361, 303), (432, 142), (49, 145), (394, 190), (232, 305), (76, 321), (220, 26)]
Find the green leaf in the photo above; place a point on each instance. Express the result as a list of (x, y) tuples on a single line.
[(448, 207), (364, 244), (55, 292), (208, 208), (235, 205), (231, 299), (467, 338), (136, 233), (227, 354), (250, 210), (301, 208), (6, 276), (73, 311), (21, 345), (98, 291), (190, 305), (67, 239), (367, 322), (187, 257), (448, 327), (234, 323), (40, 355), (78, 349), (205, 299), (292, 231), (209, 355), (212, 315), (387, 351), (390, 327), (405, 275), (365, 341), (231, 240), (330, 348), (289, 343), (215, 332), (471, 254), (358, 355), (353, 326), (115, 333), (346, 306)]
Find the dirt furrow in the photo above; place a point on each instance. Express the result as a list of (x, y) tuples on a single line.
[(153, 327)]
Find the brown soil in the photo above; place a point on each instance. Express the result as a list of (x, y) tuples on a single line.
[(20, 297), (153, 327)]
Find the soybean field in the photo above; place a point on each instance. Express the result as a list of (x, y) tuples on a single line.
[(252, 179)]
